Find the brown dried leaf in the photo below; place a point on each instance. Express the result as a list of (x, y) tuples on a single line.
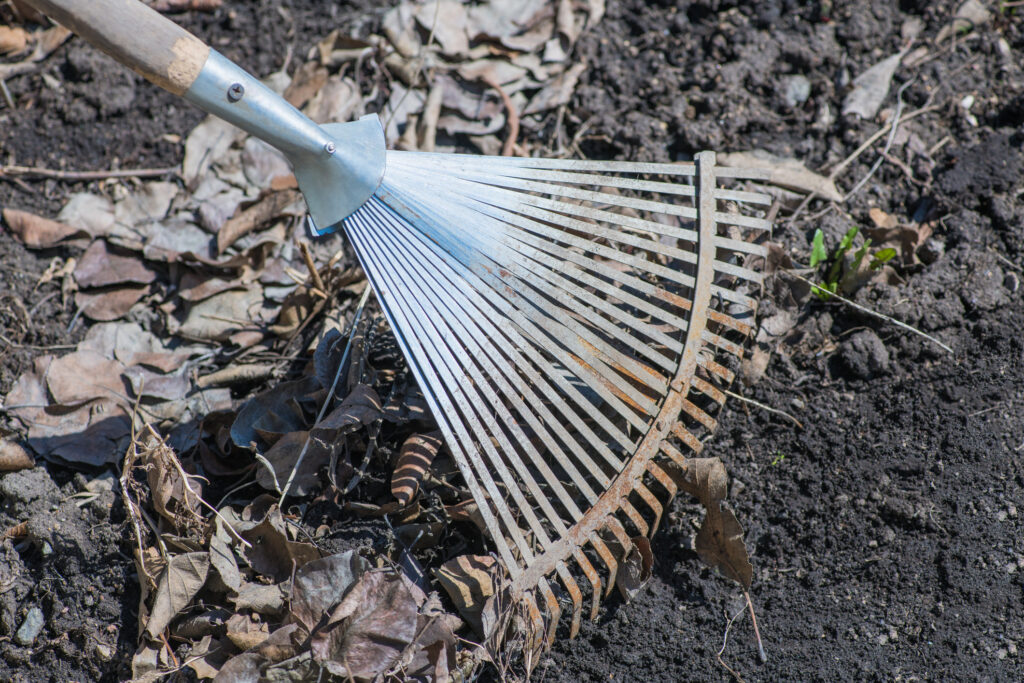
[(634, 568), (285, 453), (720, 544), (222, 558), (107, 305), (277, 411), (264, 599), (306, 82), (101, 266), (447, 20), (369, 631), (557, 92), (417, 453), (36, 232), (271, 553), (321, 584), (83, 376), (220, 316), (244, 632), (172, 499), (14, 456), (180, 581), (13, 39), (469, 581), (360, 408), (786, 172)]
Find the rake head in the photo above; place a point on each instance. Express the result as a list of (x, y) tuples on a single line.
[(566, 321)]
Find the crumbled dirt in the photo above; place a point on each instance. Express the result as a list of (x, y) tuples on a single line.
[(886, 533)]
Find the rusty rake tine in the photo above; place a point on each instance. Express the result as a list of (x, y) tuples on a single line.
[(722, 343), (738, 271), (575, 595), (592, 577), (742, 196), (741, 221), (615, 526), (554, 611), (368, 257), (717, 369), (458, 312), (699, 415), (662, 477), (687, 437), (653, 503), (592, 378), (709, 390), (609, 560), (726, 320)]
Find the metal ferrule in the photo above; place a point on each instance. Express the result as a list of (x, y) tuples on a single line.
[(256, 109), (338, 165)]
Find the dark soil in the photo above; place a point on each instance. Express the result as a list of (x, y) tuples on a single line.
[(886, 534)]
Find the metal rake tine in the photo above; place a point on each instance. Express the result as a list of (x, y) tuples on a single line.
[(456, 314)]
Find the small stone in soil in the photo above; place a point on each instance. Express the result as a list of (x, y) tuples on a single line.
[(30, 628)]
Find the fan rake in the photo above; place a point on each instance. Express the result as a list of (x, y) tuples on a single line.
[(565, 320)]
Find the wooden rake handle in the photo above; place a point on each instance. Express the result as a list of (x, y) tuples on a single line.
[(135, 35)]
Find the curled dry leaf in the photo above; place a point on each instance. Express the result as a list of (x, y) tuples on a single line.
[(263, 211), (417, 453), (284, 454), (36, 232), (14, 456), (276, 411), (469, 580), (557, 92), (786, 172), (174, 498), (360, 408), (268, 600), (871, 88)]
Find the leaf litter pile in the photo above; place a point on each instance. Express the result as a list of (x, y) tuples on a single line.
[(293, 510)]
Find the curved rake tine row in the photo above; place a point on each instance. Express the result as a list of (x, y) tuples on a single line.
[(567, 321)]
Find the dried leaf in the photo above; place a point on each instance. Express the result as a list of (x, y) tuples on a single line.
[(360, 408), (557, 92), (871, 88), (720, 544), (337, 102), (222, 315), (222, 558), (264, 599), (263, 211), (206, 144), (180, 581), (101, 266), (469, 581), (36, 232), (82, 376), (786, 172), (244, 632), (262, 164), (321, 584), (306, 82), (447, 20), (106, 305), (271, 552), (277, 411), (635, 568), (285, 453), (370, 629), (13, 39), (417, 453), (969, 15), (148, 204), (172, 499), (89, 212), (14, 456)]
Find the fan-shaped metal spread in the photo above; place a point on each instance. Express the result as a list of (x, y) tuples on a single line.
[(566, 321)]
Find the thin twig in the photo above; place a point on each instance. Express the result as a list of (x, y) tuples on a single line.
[(725, 641), (36, 172), (757, 631), (867, 310), (330, 394), (764, 407), (185, 482)]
